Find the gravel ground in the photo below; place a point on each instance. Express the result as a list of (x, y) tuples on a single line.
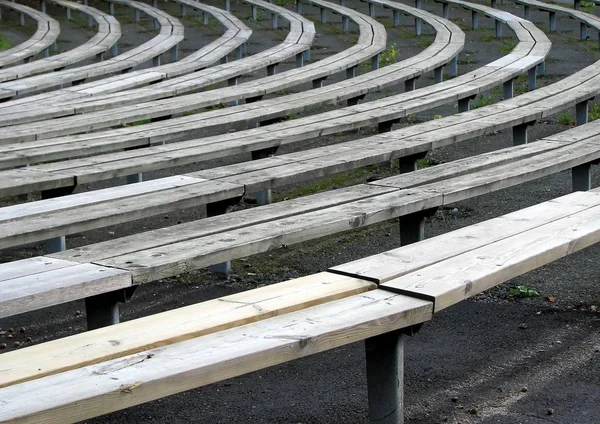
[(491, 359)]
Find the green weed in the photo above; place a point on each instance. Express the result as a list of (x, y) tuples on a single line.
[(522, 291), (565, 118)]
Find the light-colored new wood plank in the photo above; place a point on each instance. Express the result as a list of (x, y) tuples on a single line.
[(452, 280), (395, 263), (164, 371), (175, 326)]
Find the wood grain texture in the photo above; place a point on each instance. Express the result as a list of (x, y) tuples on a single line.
[(171, 369), (455, 279)]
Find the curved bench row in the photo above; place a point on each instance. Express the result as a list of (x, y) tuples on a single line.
[(271, 136), (171, 33), (109, 31), (233, 335), (45, 35), (297, 43)]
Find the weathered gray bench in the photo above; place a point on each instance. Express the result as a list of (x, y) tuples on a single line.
[(108, 32), (45, 35), (296, 44), (170, 34), (118, 367)]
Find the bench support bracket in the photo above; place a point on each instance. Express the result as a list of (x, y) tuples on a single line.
[(520, 133), (102, 310), (463, 104), (214, 209), (582, 177), (581, 112), (57, 244), (385, 377)]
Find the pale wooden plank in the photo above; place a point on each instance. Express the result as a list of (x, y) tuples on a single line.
[(395, 263), (31, 266), (193, 253), (190, 322), (452, 280), (30, 292), (218, 224), (163, 371)]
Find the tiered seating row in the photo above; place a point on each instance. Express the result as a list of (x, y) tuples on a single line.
[(45, 35), (234, 335), (170, 34), (109, 31)]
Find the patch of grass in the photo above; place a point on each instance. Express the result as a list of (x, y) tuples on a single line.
[(587, 6), (565, 118), (485, 100), (522, 291), (594, 112), (389, 56), (508, 45), (4, 44), (424, 42), (426, 162), (217, 106), (355, 176)]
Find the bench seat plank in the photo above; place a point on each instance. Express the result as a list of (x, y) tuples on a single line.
[(59, 285), (192, 321), (393, 264), (462, 276), (142, 377)]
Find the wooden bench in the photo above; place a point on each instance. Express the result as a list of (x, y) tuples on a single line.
[(109, 31), (297, 43), (586, 20), (45, 35), (121, 366), (170, 34)]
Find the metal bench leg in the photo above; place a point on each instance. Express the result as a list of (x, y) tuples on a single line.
[(527, 12), (68, 14), (214, 209), (386, 126), (318, 83), (371, 10), (499, 26), (306, 55), (541, 69), (396, 18), (57, 244), (375, 62), (350, 72), (520, 133), (343, 3), (474, 19), (182, 9), (345, 24), (239, 53), (532, 78), (323, 15), (263, 197), (438, 74), (274, 22), (228, 5), (205, 18), (494, 4), (453, 71), (353, 101), (43, 6), (581, 112), (230, 83), (175, 53), (114, 50), (446, 10), (299, 60), (412, 228), (224, 59), (385, 377), (582, 177), (576, 4), (136, 16), (299, 7), (272, 69), (583, 31), (102, 310), (22, 19), (552, 19), (410, 84), (508, 89), (111, 9), (464, 104), (418, 25), (156, 61)]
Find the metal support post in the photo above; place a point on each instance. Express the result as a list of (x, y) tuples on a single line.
[(508, 89), (581, 112), (520, 133), (57, 244), (385, 377), (410, 84), (582, 177), (375, 62), (474, 19), (102, 310), (438, 74), (532, 78), (552, 18)]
